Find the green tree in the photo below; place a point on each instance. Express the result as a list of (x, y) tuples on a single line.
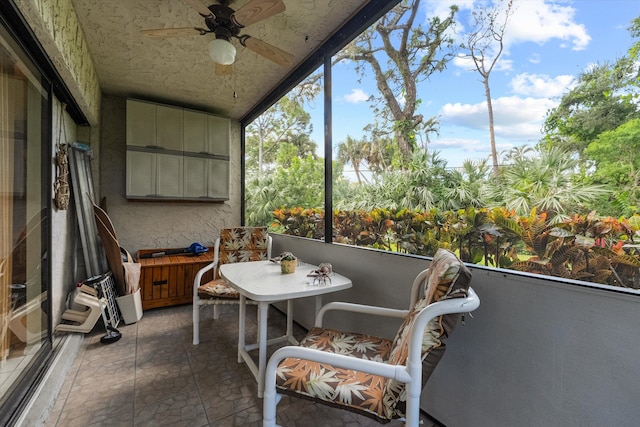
[(402, 52), (617, 165), (301, 183), (634, 30), (604, 97), (285, 121), (282, 167), (485, 43)]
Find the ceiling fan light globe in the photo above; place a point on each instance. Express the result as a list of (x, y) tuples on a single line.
[(222, 52)]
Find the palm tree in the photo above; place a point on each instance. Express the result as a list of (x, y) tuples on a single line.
[(544, 182), (420, 187), (468, 187), (354, 151), (262, 199)]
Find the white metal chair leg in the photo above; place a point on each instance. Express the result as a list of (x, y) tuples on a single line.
[(241, 327), (196, 321)]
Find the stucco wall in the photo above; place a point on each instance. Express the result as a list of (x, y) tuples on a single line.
[(143, 225), (55, 23)]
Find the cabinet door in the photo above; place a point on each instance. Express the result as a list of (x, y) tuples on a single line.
[(169, 128), (170, 175), (195, 132), (141, 123), (141, 174), (218, 179), (218, 131), (195, 177)]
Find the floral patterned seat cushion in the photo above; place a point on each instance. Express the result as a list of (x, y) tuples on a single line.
[(217, 289), (240, 244), (378, 397), (352, 390)]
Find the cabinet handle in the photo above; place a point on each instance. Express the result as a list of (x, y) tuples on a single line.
[(160, 282)]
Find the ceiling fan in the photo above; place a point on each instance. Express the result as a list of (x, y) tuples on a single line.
[(226, 23)]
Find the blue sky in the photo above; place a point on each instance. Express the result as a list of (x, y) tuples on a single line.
[(547, 44)]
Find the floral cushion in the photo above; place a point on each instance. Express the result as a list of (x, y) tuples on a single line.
[(448, 278), (380, 398), (352, 390), (240, 244), (217, 289), (243, 244)]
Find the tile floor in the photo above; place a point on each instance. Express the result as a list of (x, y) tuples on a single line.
[(154, 375)]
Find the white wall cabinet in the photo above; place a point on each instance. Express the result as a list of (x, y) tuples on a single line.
[(154, 126), (154, 175), (218, 135), (195, 132), (206, 178), (176, 154), (206, 134)]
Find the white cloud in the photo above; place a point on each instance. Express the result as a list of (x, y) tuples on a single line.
[(541, 85), (455, 150), (356, 96), (532, 21), (464, 144), (540, 21), (514, 117), (467, 64), (537, 21), (464, 62)]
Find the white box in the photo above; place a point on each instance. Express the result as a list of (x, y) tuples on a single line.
[(130, 307)]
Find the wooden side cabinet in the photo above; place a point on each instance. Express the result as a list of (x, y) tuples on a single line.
[(168, 280)]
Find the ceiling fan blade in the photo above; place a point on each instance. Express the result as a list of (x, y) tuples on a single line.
[(199, 7), (224, 70), (172, 32), (272, 53), (257, 10)]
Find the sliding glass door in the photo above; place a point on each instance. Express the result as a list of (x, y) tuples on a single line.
[(25, 339)]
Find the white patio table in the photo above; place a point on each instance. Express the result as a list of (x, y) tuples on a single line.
[(263, 282)]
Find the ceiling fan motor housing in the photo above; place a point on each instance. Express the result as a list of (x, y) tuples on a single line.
[(222, 23)]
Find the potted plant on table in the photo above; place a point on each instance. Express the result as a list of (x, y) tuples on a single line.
[(288, 262)]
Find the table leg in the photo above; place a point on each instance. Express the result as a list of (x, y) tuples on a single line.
[(242, 309), (289, 318), (263, 308), (318, 304)]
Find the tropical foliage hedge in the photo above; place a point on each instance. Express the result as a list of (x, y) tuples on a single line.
[(583, 247)]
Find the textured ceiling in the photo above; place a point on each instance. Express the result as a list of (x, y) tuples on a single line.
[(178, 70)]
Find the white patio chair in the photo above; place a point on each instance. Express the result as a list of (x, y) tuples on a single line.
[(239, 244), (373, 376)]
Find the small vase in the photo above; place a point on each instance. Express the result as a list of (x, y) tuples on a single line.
[(288, 266)]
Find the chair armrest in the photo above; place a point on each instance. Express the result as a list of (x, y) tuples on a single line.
[(358, 308), (198, 279)]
